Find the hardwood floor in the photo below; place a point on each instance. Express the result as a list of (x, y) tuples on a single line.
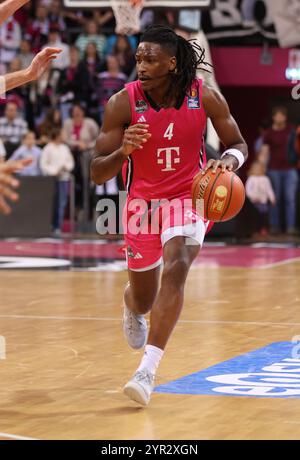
[(66, 360)]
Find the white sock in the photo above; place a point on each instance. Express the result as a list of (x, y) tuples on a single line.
[(151, 359)]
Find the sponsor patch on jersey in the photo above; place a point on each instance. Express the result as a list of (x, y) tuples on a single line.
[(141, 106), (193, 100)]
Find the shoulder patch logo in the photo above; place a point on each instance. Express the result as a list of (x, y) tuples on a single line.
[(193, 100), (141, 106)]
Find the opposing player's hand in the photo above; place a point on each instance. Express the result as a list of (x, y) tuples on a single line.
[(134, 138), (42, 61), (8, 183), (228, 162)]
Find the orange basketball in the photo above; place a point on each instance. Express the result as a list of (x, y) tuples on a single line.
[(218, 197)]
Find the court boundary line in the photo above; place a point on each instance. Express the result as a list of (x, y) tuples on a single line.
[(17, 437), (278, 264), (183, 321)]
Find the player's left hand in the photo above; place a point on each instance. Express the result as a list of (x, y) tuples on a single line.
[(229, 162), (42, 61)]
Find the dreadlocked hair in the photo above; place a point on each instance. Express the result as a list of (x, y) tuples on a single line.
[(189, 55)]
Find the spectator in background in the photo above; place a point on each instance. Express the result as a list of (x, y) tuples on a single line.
[(260, 192), (63, 59), (12, 128), (294, 148), (91, 35), (57, 160), (43, 93), (55, 15), (90, 67), (17, 94), (110, 82), (25, 55), (75, 21), (51, 121), (37, 30), (10, 39), (284, 178), (23, 15), (2, 152), (104, 19), (264, 125), (72, 84), (297, 141), (29, 149), (112, 39), (80, 133), (124, 54)]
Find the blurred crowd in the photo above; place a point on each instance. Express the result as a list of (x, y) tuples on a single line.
[(273, 178), (57, 119)]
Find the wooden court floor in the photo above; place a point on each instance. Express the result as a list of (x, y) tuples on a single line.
[(66, 360)]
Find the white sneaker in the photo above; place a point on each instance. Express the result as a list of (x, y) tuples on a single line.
[(135, 329), (140, 387)]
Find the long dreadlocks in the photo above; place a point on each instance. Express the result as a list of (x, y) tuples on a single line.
[(189, 55)]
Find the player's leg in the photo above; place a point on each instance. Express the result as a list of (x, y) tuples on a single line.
[(141, 290), (178, 257), (181, 244), (144, 255), (139, 296)]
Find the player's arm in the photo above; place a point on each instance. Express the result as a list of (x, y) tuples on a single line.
[(217, 110), (8, 8), (115, 143), (39, 64)]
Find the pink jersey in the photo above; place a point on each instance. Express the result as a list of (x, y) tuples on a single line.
[(166, 165)]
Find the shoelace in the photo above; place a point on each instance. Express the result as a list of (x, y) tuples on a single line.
[(145, 377), (132, 317)]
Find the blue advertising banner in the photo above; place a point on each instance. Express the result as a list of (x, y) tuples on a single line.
[(272, 371)]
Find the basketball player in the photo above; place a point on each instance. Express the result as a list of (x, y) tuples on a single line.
[(154, 130), (8, 82)]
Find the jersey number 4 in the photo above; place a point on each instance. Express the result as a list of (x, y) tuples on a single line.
[(170, 131)]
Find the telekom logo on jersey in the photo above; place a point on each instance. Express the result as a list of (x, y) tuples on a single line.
[(171, 155), (167, 160)]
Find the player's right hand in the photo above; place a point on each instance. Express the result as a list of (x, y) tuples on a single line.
[(42, 61), (8, 183), (134, 138)]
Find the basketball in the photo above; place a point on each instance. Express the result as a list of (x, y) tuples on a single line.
[(218, 197)]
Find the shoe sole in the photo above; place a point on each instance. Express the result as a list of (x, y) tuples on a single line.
[(136, 393)]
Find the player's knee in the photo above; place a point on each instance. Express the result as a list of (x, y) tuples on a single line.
[(175, 271)]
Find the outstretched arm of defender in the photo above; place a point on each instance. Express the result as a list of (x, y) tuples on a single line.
[(115, 143), (38, 66), (217, 110), (8, 8)]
